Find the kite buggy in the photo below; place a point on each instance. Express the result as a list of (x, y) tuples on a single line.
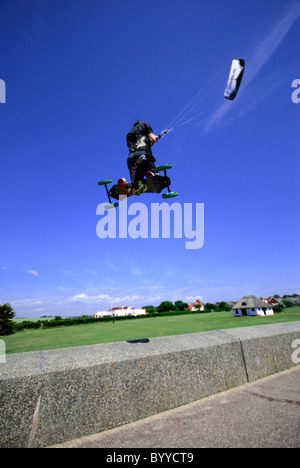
[(152, 184), (145, 176)]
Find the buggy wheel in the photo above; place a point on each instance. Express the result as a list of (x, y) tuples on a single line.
[(111, 205), (164, 167), (104, 182), (170, 195)]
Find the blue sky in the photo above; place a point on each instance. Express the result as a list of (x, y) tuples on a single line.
[(78, 74)]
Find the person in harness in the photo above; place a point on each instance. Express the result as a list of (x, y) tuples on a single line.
[(141, 161)]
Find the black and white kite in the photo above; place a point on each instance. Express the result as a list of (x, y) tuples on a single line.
[(234, 79)]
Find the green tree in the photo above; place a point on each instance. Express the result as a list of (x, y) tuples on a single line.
[(210, 306), (225, 306), (179, 305), (150, 309), (6, 315), (278, 308), (165, 306), (288, 302)]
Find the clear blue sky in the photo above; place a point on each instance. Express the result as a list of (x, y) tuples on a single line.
[(78, 74)]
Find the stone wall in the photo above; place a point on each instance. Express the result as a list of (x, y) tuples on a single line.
[(90, 389)]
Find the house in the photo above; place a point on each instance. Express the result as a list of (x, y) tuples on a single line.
[(120, 312), (271, 300), (102, 313), (251, 305), (197, 305)]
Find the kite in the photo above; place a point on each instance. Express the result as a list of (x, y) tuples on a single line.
[(234, 79)]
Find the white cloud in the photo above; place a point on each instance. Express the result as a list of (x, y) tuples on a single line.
[(104, 298), (193, 298), (86, 298), (33, 272), (25, 303)]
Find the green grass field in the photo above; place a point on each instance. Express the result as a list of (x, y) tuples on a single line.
[(79, 335)]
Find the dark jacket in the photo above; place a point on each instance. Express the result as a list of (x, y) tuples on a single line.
[(137, 138)]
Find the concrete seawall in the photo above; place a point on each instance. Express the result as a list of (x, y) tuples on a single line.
[(90, 389)]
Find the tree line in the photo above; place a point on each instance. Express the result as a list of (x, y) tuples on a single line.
[(8, 326), (167, 306)]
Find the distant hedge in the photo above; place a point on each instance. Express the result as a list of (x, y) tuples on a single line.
[(56, 322), (67, 322)]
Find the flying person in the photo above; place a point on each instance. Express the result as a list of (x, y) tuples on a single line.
[(141, 161)]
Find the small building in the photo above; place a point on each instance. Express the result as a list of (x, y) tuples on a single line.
[(271, 300), (197, 305), (251, 305), (120, 312)]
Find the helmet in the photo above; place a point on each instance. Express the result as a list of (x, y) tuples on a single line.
[(137, 122)]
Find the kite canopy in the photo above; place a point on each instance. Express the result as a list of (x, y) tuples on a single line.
[(209, 87), (234, 79)]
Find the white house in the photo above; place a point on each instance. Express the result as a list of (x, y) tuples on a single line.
[(251, 305), (120, 312), (195, 306), (102, 313)]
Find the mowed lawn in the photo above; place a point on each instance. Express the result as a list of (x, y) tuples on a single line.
[(134, 329)]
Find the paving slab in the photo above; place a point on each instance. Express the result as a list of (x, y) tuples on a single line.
[(261, 414)]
